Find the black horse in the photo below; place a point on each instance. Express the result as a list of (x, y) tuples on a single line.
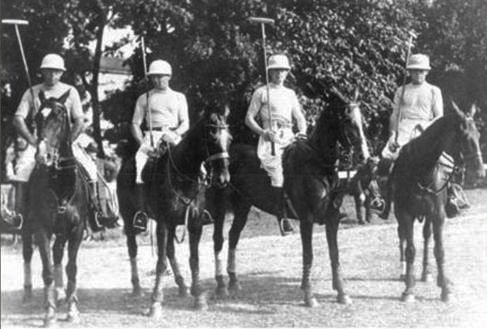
[(176, 197), (311, 183), (419, 182), (57, 205)]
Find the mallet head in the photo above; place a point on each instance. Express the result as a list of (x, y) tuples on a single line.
[(15, 21), (262, 20)]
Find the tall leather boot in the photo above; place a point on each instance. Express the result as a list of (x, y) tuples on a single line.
[(285, 226), (140, 217)]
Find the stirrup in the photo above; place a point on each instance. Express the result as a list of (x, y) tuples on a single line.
[(140, 220), (17, 222), (285, 231)]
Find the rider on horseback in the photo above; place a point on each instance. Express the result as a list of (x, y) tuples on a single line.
[(165, 112), (416, 105), (276, 132)]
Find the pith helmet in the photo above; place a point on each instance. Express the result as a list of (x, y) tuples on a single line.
[(278, 62), (418, 62), (160, 67), (53, 61)]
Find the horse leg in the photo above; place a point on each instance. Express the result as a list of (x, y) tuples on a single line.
[(27, 251), (306, 229), (221, 288), (442, 281), (171, 255), (58, 251), (426, 274), (331, 237), (132, 250), (368, 212), (358, 208), (407, 221), (194, 263), (402, 258), (43, 241), (71, 272), (161, 267), (241, 211)]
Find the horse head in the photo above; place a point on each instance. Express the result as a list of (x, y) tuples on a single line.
[(349, 122), (53, 130), (467, 143), (217, 141)]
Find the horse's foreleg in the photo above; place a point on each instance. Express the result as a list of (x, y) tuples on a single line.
[(58, 251), (426, 274), (27, 251), (221, 288), (406, 223), (43, 241), (331, 237), (358, 208), (132, 250), (71, 272), (442, 281), (161, 267), (171, 255), (241, 211), (306, 229), (402, 257), (194, 263)]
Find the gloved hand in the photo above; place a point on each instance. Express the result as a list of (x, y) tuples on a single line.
[(300, 137)]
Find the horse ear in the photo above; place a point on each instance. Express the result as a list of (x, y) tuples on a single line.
[(64, 97), (473, 109)]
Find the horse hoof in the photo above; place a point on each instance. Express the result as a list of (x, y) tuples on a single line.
[(311, 302), (344, 299), (221, 292), (155, 312), (50, 322), (73, 318), (407, 298), (445, 296), (200, 303), (183, 292), (136, 292), (427, 277), (234, 287)]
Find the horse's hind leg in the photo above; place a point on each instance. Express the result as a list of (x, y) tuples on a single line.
[(406, 225), (58, 251), (426, 274), (442, 281), (71, 272), (358, 208), (306, 230), (171, 255), (194, 262), (331, 237), (27, 251), (402, 257), (43, 241), (132, 250), (241, 211)]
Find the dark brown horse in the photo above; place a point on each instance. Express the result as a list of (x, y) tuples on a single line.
[(311, 183), (419, 188), (176, 197), (57, 206)]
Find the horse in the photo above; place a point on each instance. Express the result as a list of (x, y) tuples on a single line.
[(311, 184), (176, 196), (419, 182), (57, 206)]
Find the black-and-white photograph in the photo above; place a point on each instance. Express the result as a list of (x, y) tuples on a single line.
[(243, 163)]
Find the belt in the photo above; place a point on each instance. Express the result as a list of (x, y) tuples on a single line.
[(161, 129)]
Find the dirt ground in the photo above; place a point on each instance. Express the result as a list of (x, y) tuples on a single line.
[(270, 272)]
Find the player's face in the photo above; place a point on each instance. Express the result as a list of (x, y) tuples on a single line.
[(418, 76), (161, 81), (51, 76)]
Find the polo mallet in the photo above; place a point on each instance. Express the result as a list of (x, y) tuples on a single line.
[(263, 21), (149, 114), (16, 23), (412, 36)]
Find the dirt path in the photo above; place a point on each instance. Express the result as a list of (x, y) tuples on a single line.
[(270, 271)]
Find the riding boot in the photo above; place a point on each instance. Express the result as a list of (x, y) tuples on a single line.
[(285, 225), (140, 217), (452, 207), (94, 206), (17, 218)]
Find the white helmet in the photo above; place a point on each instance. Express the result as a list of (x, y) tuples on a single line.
[(53, 61), (419, 62), (278, 62), (160, 67)]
